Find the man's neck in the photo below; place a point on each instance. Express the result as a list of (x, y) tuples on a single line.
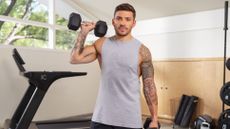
[(123, 38)]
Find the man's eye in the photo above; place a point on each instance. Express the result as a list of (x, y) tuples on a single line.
[(118, 18), (128, 19)]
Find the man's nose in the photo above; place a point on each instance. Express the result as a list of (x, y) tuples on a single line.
[(122, 22)]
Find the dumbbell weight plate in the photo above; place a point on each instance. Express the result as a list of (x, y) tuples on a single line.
[(224, 120), (100, 29), (225, 93), (74, 21), (227, 64)]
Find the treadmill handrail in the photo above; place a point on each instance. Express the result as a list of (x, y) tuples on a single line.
[(18, 60)]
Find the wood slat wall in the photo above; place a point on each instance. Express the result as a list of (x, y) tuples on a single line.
[(199, 77)]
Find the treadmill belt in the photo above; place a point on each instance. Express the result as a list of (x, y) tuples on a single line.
[(75, 122)]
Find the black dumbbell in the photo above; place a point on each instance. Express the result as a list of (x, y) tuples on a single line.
[(148, 121), (75, 22)]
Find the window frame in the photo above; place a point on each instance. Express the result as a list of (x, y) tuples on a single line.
[(51, 25)]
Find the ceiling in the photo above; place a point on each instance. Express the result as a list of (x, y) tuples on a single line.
[(146, 9)]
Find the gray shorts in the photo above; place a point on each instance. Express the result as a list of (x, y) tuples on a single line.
[(96, 125)]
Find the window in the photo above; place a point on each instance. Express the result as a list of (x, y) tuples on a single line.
[(23, 35), (16, 28), (65, 39), (24, 9), (28, 23)]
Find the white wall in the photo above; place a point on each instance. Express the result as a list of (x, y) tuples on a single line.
[(66, 97), (195, 35)]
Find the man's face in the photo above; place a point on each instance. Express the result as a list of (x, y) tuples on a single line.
[(123, 22)]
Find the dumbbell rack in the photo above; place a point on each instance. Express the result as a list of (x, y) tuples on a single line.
[(225, 43), (39, 83), (224, 118)]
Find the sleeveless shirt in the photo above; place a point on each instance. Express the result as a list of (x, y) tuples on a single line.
[(118, 100)]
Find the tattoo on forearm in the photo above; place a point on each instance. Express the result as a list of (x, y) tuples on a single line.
[(79, 45), (150, 92), (149, 86), (148, 78)]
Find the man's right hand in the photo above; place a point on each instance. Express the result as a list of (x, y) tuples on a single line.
[(86, 27)]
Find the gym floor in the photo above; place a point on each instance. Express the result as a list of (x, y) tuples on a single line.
[(165, 124), (170, 126)]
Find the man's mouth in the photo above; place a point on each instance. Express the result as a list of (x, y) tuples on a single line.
[(122, 28)]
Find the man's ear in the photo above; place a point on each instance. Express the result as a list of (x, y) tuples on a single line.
[(134, 23), (113, 21)]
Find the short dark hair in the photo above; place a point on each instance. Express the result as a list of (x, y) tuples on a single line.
[(125, 7)]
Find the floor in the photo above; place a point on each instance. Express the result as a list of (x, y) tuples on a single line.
[(170, 126), (165, 124)]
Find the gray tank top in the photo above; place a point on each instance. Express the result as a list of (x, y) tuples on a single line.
[(118, 101)]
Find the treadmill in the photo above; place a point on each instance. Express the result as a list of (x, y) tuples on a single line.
[(39, 83)]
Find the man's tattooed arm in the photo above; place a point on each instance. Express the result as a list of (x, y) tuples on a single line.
[(79, 44), (82, 54), (149, 87)]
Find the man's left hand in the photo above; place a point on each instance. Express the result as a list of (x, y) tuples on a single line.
[(153, 125)]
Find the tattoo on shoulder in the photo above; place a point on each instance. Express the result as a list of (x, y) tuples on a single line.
[(146, 65)]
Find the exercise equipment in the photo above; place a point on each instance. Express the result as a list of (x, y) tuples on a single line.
[(225, 93), (182, 106), (100, 28), (39, 83), (75, 23), (227, 64), (203, 122), (73, 122), (224, 120), (185, 111), (225, 43), (148, 121)]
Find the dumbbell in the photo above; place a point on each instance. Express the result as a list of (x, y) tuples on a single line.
[(75, 22), (148, 121)]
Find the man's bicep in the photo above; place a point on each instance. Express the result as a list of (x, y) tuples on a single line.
[(147, 69), (89, 54)]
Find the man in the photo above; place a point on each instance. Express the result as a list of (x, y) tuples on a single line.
[(123, 59)]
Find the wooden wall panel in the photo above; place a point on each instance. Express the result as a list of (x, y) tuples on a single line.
[(199, 77)]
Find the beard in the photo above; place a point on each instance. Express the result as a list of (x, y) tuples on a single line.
[(122, 30)]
